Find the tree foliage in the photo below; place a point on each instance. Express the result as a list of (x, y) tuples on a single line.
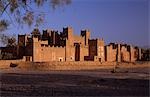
[(21, 12), (9, 41), (3, 25)]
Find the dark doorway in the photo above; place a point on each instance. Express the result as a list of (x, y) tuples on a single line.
[(77, 52), (27, 58), (100, 60)]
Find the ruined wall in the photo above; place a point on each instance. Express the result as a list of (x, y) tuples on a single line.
[(125, 55), (118, 58), (132, 54), (110, 53), (121, 52), (139, 54), (100, 50)]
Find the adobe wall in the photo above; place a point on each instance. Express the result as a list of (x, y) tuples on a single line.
[(52, 54), (139, 53), (83, 52), (118, 58), (132, 54), (110, 53), (86, 36), (125, 55), (79, 39), (101, 50), (36, 50), (46, 53), (24, 47), (69, 53), (70, 38), (93, 47)]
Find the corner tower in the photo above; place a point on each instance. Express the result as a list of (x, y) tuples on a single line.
[(69, 35), (86, 35)]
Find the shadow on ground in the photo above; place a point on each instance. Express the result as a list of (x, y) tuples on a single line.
[(41, 85)]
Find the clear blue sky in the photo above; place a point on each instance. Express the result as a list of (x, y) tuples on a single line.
[(114, 20)]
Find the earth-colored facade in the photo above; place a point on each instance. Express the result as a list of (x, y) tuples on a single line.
[(65, 46)]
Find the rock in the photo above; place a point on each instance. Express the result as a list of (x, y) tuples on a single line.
[(13, 65)]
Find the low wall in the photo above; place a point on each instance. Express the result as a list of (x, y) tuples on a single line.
[(70, 66), (5, 64), (86, 65)]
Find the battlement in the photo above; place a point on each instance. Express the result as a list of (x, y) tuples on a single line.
[(51, 46)]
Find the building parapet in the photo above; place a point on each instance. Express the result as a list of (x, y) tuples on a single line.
[(51, 46)]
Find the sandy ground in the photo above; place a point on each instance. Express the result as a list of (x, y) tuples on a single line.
[(125, 82)]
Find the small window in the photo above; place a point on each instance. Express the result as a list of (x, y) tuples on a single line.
[(60, 60), (100, 60), (42, 45)]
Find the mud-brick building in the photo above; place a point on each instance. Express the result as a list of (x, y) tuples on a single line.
[(60, 46), (122, 53), (52, 45), (96, 50)]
